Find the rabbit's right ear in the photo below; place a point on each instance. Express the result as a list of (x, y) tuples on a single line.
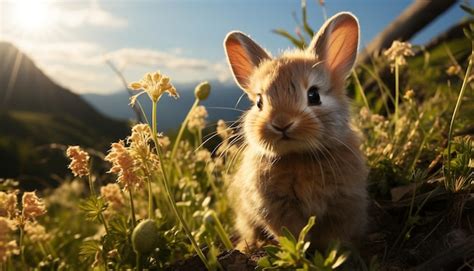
[(243, 55)]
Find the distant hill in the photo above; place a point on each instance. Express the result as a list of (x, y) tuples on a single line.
[(36, 112), (220, 104), (24, 87)]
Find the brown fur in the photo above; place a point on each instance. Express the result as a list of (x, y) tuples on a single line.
[(319, 170)]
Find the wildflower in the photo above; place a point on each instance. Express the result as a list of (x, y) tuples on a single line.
[(154, 84), (112, 194), (364, 113), (79, 161), (7, 247), (6, 226), (164, 141), (202, 91), (376, 118), (65, 192), (36, 232), (123, 165), (203, 155), (8, 202), (32, 206), (197, 120), (139, 147), (222, 130), (453, 70), (409, 94), (397, 53)]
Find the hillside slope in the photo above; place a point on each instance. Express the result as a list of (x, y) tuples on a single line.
[(24, 87)]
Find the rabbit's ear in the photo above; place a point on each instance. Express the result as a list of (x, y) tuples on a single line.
[(336, 45), (243, 55)]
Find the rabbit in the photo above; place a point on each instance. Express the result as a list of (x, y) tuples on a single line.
[(301, 157)]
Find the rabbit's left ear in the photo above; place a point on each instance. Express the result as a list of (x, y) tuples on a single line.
[(336, 45)]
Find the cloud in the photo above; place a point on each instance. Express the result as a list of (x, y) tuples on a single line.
[(82, 79), (63, 14), (73, 52), (93, 15), (172, 61), (81, 66)]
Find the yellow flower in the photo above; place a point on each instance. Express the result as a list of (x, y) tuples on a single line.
[(154, 84), (409, 95), (164, 141), (32, 205), (8, 202), (197, 119), (36, 232), (203, 155), (453, 70), (112, 194), (123, 165), (140, 149), (222, 130), (397, 52), (79, 161), (7, 246)]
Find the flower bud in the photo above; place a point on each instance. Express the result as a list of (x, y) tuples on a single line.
[(202, 90), (145, 237)]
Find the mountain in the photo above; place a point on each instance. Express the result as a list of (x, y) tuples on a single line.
[(35, 112), (221, 104), (25, 88)]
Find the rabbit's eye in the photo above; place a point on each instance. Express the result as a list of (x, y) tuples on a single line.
[(259, 101), (313, 96)]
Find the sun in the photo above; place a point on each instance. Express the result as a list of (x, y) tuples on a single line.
[(32, 15)]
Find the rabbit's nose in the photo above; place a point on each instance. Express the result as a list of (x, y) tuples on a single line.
[(282, 128)]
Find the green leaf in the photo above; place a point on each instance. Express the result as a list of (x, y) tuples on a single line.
[(88, 249), (340, 260), (93, 207), (306, 26), (297, 42), (271, 250), (287, 244), (264, 262), (331, 257), (306, 229), (286, 233)]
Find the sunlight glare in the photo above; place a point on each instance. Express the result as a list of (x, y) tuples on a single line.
[(32, 15)]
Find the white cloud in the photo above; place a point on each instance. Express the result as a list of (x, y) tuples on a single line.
[(64, 14), (93, 15), (81, 66), (82, 79), (173, 61)]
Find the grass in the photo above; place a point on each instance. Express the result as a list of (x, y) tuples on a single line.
[(421, 161)]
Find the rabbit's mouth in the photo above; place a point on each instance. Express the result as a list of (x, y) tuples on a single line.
[(285, 137)]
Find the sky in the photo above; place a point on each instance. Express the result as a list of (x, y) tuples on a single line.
[(72, 40)]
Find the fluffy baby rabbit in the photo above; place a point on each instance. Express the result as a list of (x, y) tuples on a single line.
[(301, 157)]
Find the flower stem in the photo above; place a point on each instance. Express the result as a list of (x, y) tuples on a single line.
[(151, 214), (132, 209), (397, 92), (168, 190), (361, 89), (181, 129), (139, 261), (101, 216), (22, 245), (221, 232), (456, 108)]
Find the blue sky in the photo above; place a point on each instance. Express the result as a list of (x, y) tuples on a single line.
[(71, 39)]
